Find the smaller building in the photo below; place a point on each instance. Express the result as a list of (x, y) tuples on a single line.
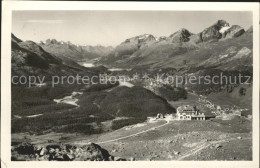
[(188, 112), (159, 115)]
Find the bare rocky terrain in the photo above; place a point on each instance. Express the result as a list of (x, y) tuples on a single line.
[(176, 140)]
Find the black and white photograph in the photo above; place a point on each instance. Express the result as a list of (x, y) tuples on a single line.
[(132, 85)]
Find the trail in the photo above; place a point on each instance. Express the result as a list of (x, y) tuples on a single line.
[(203, 146), (132, 135)]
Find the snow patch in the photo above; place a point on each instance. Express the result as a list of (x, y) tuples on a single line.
[(223, 56), (69, 99), (88, 65), (127, 84), (119, 69), (143, 36), (115, 69), (223, 29), (33, 116), (76, 93)]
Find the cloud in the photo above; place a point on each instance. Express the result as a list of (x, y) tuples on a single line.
[(44, 21)]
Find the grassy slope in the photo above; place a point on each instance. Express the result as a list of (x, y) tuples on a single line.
[(96, 105), (135, 103)]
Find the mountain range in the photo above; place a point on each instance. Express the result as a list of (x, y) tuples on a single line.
[(30, 58), (74, 52), (219, 46)]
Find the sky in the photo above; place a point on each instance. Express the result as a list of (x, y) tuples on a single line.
[(110, 28)]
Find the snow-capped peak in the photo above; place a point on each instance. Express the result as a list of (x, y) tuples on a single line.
[(143, 36)]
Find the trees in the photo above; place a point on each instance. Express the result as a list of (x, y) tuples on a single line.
[(172, 93)]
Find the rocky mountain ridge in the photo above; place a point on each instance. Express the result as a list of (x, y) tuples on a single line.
[(74, 52), (179, 46), (30, 58)]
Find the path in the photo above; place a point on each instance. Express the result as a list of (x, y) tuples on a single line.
[(203, 146), (132, 135)]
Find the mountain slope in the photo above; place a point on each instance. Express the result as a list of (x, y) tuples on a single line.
[(28, 58), (183, 49)]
